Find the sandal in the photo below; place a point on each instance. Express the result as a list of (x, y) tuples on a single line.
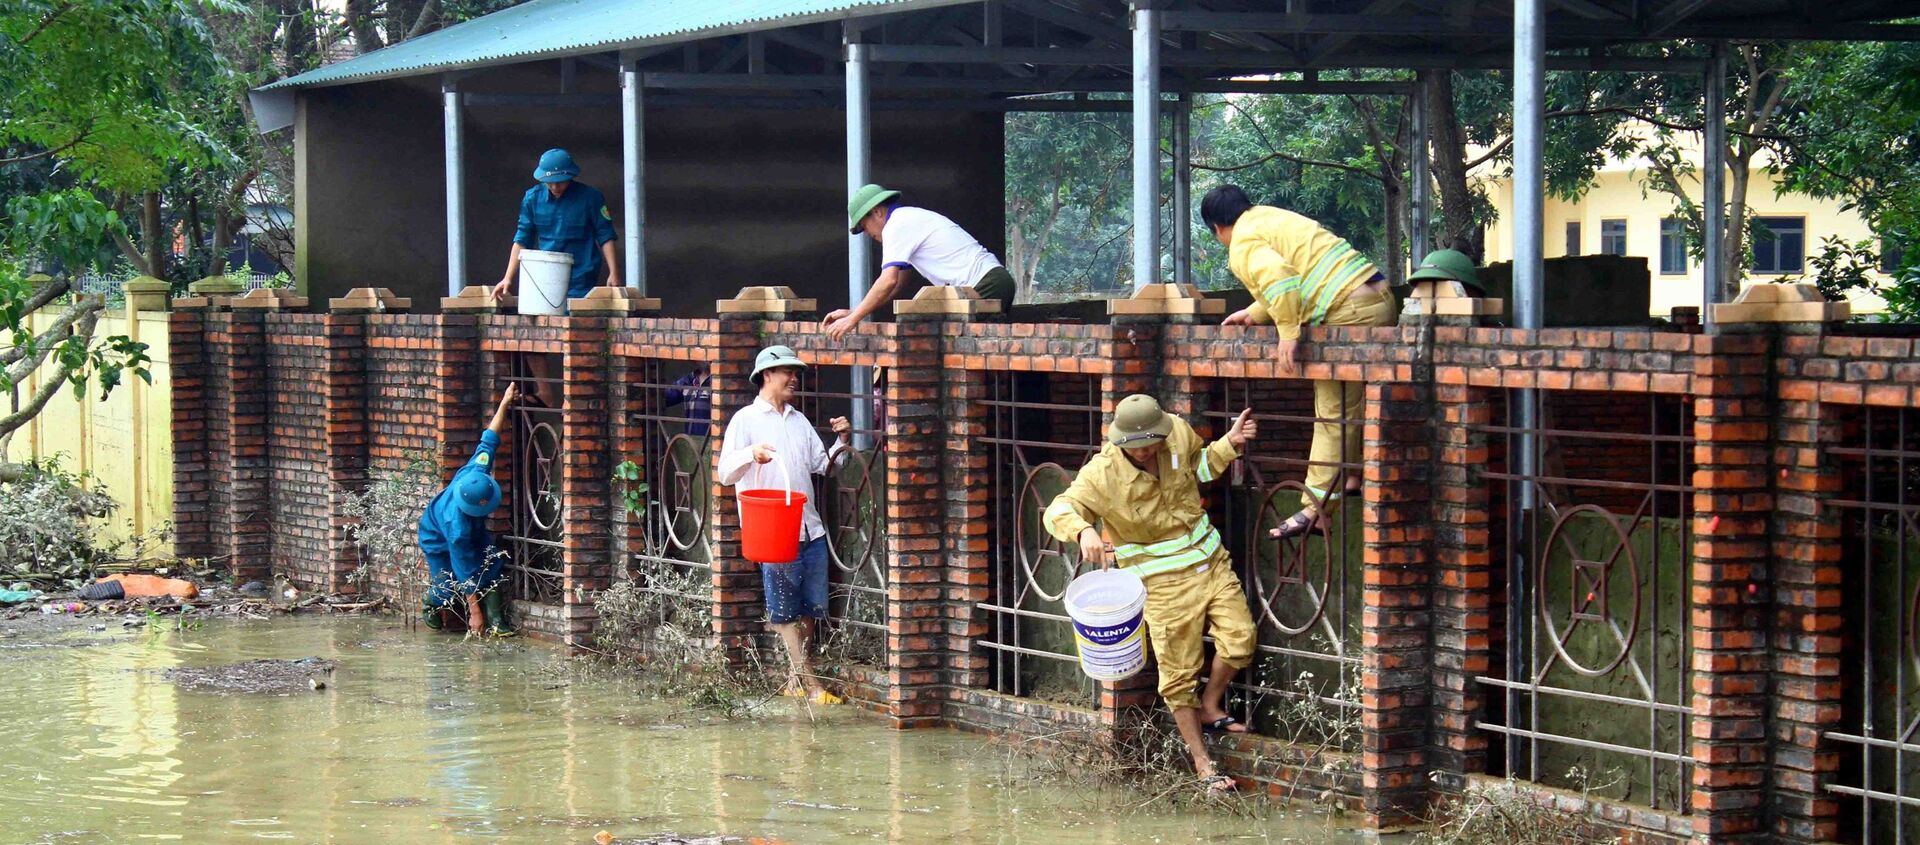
[(1302, 522), (1222, 725), (1218, 784)]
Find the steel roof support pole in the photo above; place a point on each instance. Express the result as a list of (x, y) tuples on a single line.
[(1529, 203), (1713, 184), (1420, 193), (453, 119), (1183, 190), (633, 159), (859, 247), (1146, 145)]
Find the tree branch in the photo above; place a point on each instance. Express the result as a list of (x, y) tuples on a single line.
[(46, 22), (1308, 162), (52, 152), (22, 366), (38, 402)]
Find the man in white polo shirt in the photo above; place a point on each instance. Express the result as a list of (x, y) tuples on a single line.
[(921, 240)]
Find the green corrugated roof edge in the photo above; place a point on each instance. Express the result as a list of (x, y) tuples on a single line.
[(553, 28)]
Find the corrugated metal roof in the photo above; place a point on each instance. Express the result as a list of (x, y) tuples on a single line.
[(548, 28)]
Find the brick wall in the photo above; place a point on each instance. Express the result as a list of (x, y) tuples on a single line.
[(277, 413)]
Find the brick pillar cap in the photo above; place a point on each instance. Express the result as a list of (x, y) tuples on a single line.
[(473, 299), (607, 301), (947, 300), (1447, 298), (1167, 299), (376, 300), (269, 299), (146, 293), (216, 285), (39, 280), (773, 300), (1781, 303)]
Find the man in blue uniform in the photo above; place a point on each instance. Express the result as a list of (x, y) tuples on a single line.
[(453, 535), (561, 215)]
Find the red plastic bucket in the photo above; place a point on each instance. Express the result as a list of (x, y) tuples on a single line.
[(770, 523)]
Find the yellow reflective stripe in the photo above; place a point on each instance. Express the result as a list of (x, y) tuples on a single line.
[(1205, 551), (1166, 547), (1326, 264), (1336, 281), (1205, 470), (1271, 293)]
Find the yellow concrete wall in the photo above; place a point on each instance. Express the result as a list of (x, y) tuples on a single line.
[(1618, 194), (126, 442)]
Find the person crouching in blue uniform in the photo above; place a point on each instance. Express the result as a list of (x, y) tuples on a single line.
[(453, 534)]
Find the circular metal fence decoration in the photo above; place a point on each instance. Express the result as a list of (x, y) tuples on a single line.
[(1588, 583), (1043, 483), (683, 469), (1292, 560), (856, 515), (541, 490)]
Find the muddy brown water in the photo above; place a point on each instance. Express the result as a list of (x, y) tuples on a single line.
[(423, 738)]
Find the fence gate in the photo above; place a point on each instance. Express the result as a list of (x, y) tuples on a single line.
[(533, 539)]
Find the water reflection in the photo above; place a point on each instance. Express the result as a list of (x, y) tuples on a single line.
[(426, 739)]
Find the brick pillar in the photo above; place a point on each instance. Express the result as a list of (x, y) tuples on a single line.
[(1396, 614), (738, 608), (1463, 574), (1808, 625), (965, 514), (250, 469), (918, 648), (347, 424), (193, 449), (586, 485), (1732, 507)]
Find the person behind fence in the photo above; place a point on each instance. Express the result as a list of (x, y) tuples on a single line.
[(692, 391), (463, 571), (914, 238), (769, 430), (1144, 487), (1301, 274)]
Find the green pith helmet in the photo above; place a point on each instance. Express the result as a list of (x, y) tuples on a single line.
[(864, 202), (774, 356), (1448, 265), (1138, 421)]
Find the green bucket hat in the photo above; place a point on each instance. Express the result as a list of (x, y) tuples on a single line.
[(1138, 421), (772, 357), (865, 201), (1448, 265)]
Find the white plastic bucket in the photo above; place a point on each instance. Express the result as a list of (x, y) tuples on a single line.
[(543, 281), (1106, 608)]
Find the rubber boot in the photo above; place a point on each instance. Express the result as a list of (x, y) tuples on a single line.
[(495, 606), (430, 616)]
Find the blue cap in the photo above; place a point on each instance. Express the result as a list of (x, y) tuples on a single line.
[(476, 493), (556, 165)]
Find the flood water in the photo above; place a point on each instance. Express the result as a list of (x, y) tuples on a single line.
[(421, 738)]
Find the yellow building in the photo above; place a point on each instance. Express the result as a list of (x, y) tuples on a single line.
[(1620, 216)]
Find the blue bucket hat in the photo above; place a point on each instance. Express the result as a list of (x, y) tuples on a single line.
[(476, 493), (556, 165)]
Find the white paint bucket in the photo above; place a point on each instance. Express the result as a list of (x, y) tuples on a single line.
[(543, 281), (1106, 607)]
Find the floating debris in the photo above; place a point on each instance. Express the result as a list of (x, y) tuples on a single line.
[(259, 677)]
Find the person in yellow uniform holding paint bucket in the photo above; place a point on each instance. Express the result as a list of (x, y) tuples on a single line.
[(1144, 487)]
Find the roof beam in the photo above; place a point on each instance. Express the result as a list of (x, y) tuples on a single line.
[(1613, 30), (822, 82), (1673, 14), (1081, 23)]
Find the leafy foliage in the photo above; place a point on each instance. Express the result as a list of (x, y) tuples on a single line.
[(384, 518)]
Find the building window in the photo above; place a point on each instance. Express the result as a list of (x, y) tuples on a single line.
[(1613, 237), (1573, 238), (1673, 247), (1890, 256), (1779, 245)]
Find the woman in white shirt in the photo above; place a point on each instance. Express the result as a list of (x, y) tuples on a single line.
[(769, 430)]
